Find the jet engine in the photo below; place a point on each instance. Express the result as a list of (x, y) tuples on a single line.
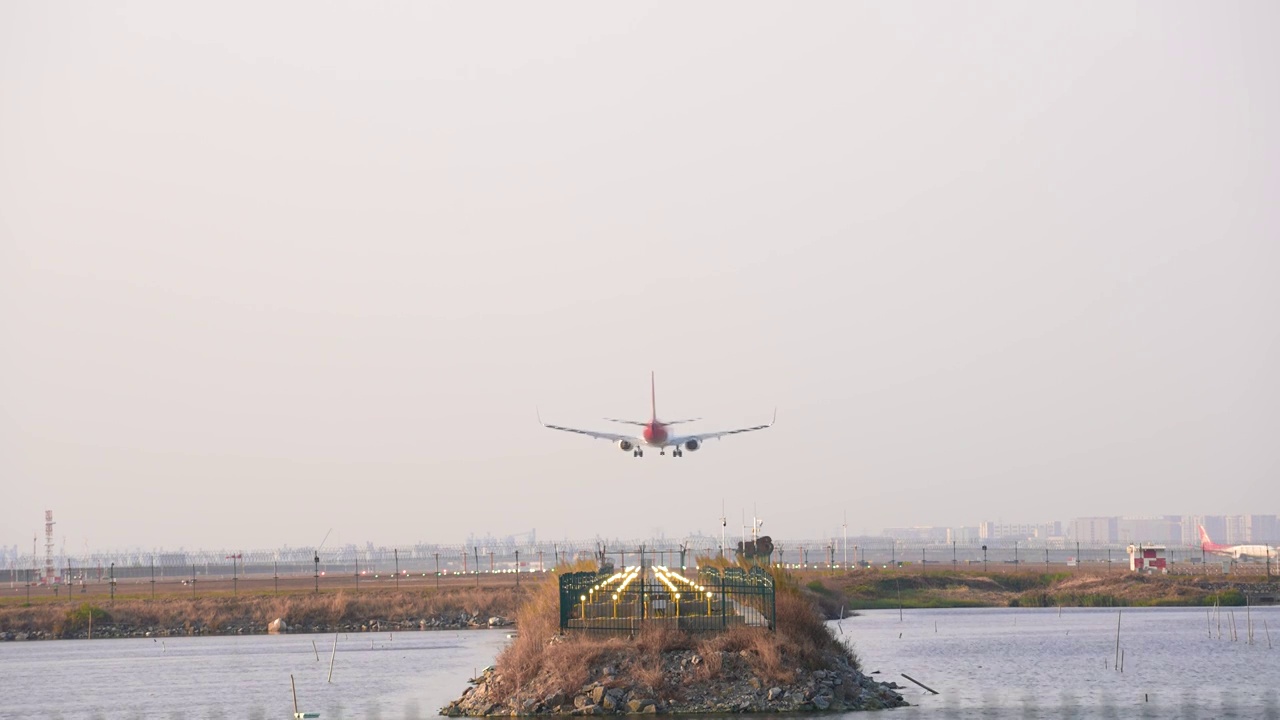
[(626, 445), (692, 445)]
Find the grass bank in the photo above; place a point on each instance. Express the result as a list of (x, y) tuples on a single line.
[(868, 589)]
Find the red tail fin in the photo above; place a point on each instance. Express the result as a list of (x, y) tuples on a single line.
[(1205, 543), (653, 398)]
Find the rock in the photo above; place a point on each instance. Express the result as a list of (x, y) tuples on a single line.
[(642, 705), (582, 701), (554, 700), (277, 626), (774, 693), (609, 703), (597, 694), (822, 702)]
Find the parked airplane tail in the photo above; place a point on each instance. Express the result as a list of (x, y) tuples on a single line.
[(1207, 544)]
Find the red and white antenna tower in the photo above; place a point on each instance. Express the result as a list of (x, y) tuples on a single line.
[(50, 572)]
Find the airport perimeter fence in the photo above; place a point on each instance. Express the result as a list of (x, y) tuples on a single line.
[(350, 567), (627, 601)]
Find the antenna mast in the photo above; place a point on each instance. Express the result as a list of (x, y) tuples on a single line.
[(50, 573), (723, 522)]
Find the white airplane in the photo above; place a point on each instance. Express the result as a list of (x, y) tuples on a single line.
[(1236, 552), (656, 433)]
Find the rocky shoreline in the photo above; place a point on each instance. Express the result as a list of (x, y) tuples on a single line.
[(688, 684)]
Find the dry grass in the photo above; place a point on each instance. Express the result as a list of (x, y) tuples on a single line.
[(657, 639), (649, 674), (216, 614), (538, 618), (712, 661), (802, 631)]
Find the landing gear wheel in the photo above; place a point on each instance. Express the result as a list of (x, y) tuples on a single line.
[(677, 453)]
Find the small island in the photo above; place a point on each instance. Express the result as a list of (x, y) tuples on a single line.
[(674, 645)]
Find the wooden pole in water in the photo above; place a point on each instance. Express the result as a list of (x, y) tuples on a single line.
[(926, 687), (294, 687), (1118, 638), (1264, 627), (1208, 621), (332, 656), (1248, 615), (316, 650)]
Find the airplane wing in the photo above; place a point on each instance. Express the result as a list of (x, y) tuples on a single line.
[(720, 433), (627, 422), (611, 437)]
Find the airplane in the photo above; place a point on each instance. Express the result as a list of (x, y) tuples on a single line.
[(657, 433), (1236, 552)]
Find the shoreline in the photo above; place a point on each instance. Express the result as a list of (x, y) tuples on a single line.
[(369, 611), (383, 609)]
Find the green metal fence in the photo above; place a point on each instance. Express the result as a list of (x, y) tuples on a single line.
[(625, 601)]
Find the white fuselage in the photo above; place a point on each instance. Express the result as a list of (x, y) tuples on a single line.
[(1248, 552)]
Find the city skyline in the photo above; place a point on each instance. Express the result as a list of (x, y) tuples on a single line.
[(1227, 529)]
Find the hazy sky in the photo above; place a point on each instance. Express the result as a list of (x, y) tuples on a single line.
[(271, 268)]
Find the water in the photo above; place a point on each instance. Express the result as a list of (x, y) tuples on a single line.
[(1015, 663), (1033, 663), (375, 675)]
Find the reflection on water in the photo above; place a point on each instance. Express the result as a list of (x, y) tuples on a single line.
[(1006, 663), (375, 675), (1046, 663)]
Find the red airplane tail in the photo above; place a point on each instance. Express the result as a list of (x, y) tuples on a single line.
[(1207, 544)]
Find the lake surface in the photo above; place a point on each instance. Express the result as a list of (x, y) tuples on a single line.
[(996, 663), (1035, 663), (375, 675)]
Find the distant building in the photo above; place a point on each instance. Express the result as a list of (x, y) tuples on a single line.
[(1018, 531), (1263, 529), (963, 535), (1148, 530), (1094, 530), (1237, 530), (917, 534)]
